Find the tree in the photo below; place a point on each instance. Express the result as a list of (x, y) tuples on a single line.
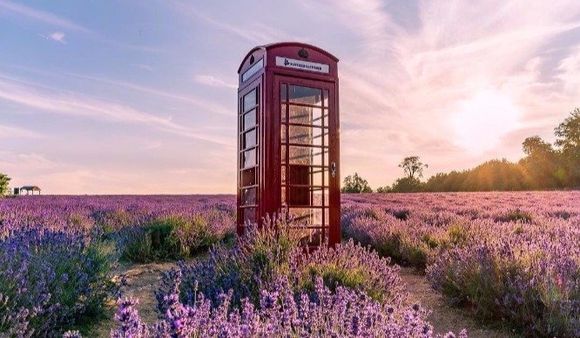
[(541, 163), (384, 190), (535, 146), (407, 184), (355, 184), (568, 134), (4, 180), (413, 167)]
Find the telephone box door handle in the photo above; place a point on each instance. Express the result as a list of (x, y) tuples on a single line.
[(333, 169)]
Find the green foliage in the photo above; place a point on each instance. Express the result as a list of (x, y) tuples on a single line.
[(264, 254), (355, 184), (489, 176), (353, 266), (516, 216), (541, 164), (481, 284), (75, 292), (254, 261), (568, 139), (568, 132), (4, 180), (168, 238), (384, 190), (407, 184), (457, 234)]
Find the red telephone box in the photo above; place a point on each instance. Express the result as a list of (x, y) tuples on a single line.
[(288, 139)]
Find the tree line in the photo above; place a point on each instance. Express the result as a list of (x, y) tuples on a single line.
[(545, 166)]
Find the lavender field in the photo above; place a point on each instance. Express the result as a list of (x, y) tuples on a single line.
[(506, 258)]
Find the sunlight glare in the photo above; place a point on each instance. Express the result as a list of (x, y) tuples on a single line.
[(481, 121)]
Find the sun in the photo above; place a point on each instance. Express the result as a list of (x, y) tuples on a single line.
[(481, 121)]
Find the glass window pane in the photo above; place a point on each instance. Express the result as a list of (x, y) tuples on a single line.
[(250, 119), (316, 176), (298, 196), (283, 92), (300, 135), (305, 95), (283, 197), (283, 150), (317, 118), (283, 112), (299, 114), (248, 158), (283, 174), (283, 135), (318, 138), (309, 236), (301, 155), (317, 156), (317, 197), (325, 117), (305, 115), (307, 155), (248, 177), (326, 98), (250, 100), (249, 139), (317, 238), (299, 174), (249, 215), (305, 216), (249, 196)]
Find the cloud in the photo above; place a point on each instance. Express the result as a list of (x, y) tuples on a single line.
[(57, 36), (207, 106), (251, 31), (16, 132), (74, 104), (212, 81), (41, 16), (144, 67), (407, 77)]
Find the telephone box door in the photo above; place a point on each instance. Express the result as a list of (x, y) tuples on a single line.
[(309, 177)]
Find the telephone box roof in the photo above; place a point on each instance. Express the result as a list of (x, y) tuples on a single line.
[(286, 44)]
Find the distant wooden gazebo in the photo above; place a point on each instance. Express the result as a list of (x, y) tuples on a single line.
[(29, 189)]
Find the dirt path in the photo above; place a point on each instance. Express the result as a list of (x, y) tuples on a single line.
[(142, 280), (443, 317)]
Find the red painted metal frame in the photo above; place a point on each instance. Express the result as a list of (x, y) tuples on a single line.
[(268, 79)]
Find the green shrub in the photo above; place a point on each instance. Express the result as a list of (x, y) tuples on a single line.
[(52, 281), (254, 261), (458, 234), (515, 216), (168, 238), (261, 256), (349, 265)]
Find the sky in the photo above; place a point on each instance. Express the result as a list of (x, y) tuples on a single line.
[(139, 97)]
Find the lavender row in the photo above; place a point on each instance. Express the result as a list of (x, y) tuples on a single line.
[(507, 256), (57, 253), (268, 286)]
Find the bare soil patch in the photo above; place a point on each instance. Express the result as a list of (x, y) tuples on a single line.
[(142, 280), (444, 317)]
